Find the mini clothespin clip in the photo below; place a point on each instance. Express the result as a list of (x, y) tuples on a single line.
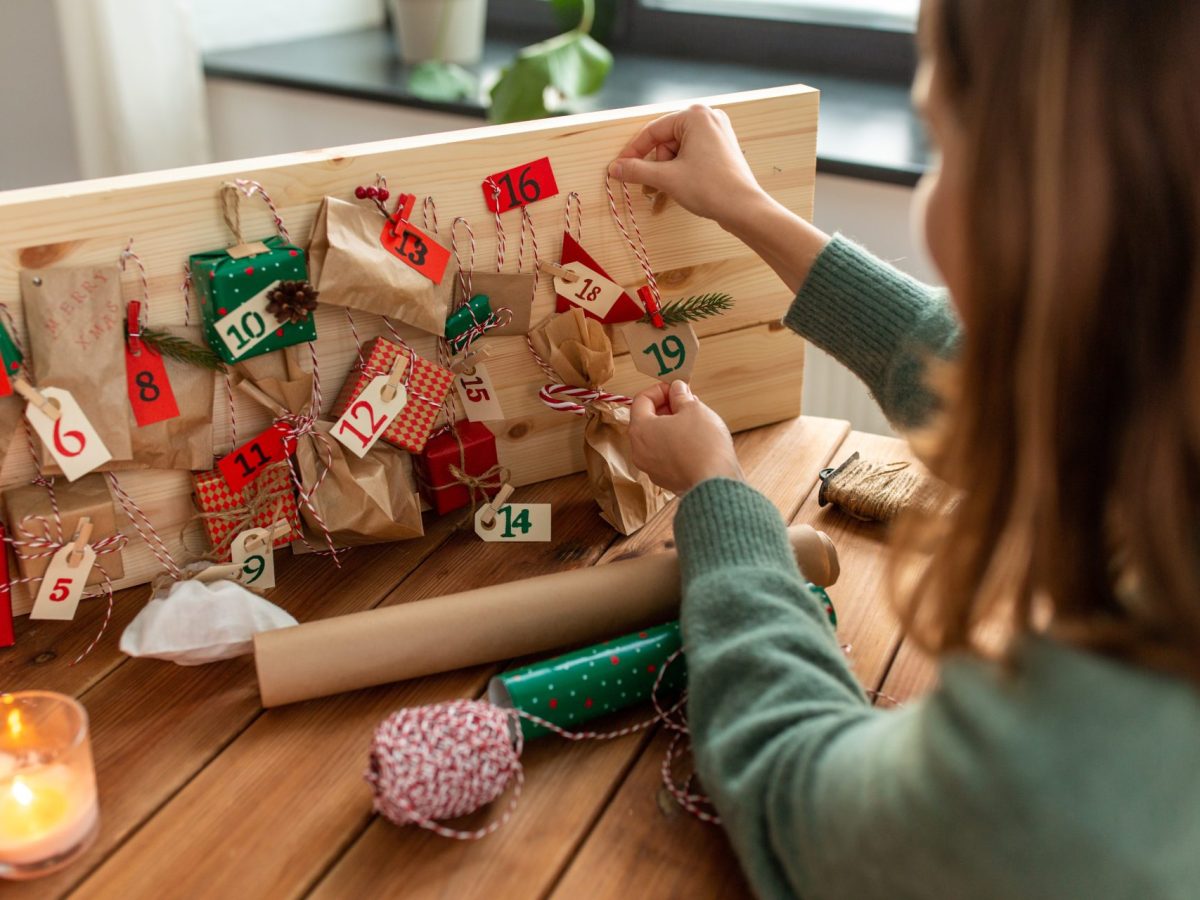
[(394, 379), (133, 326), (226, 571), (658, 199), (557, 271), (465, 364), (652, 309), (36, 398), (493, 506), (279, 528), (404, 206), (83, 534)]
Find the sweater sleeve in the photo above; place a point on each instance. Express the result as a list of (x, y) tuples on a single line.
[(880, 323), (821, 794)]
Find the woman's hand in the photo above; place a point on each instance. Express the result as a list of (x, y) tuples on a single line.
[(678, 441), (694, 157)]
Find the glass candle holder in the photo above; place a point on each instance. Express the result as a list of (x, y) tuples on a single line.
[(49, 814)]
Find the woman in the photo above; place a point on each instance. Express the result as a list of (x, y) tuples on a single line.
[(1064, 217)]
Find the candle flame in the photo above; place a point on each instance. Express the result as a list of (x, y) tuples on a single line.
[(14, 722), (21, 792)]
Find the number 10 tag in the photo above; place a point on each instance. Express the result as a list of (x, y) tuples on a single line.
[(525, 522), (246, 327), (254, 551), (369, 414)]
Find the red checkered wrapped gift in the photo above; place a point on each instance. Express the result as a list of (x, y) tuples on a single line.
[(427, 386), (259, 504)]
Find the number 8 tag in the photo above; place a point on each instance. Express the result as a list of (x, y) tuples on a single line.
[(254, 551), (63, 583), (524, 522), (368, 416)]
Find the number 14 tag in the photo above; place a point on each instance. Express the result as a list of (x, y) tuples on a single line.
[(369, 414), (524, 522)]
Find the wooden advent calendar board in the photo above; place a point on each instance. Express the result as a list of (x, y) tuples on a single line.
[(749, 368)]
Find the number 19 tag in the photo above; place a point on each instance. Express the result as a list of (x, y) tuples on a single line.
[(668, 354), (254, 551), (525, 522), (71, 439), (63, 583), (368, 416)]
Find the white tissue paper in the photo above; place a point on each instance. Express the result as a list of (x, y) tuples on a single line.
[(197, 623)]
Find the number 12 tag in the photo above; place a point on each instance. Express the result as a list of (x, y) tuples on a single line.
[(368, 416), (150, 392), (525, 522), (71, 439), (257, 560), (63, 583)]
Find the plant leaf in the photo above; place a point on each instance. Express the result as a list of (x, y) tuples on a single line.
[(441, 82), (520, 92), (578, 66)]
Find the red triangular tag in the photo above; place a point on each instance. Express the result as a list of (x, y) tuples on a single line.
[(624, 310)]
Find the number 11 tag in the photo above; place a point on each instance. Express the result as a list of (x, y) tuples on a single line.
[(525, 522), (369, 414), (254, 551), (71, 439), (63, 583)]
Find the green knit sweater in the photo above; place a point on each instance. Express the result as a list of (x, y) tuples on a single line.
[(1072, 776)]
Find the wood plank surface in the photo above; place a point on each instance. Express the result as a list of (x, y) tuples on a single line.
[(174, 214)]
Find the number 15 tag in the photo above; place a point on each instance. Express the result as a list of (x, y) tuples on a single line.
[(524, 522), (368, 415), (71, 439)]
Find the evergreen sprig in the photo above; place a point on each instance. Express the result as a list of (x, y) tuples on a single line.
[(693, 309), (182, 350)]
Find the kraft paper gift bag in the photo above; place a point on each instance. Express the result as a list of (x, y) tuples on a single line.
[(186, 441)]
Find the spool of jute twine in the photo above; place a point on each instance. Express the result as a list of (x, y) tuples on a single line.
[(879, 491)]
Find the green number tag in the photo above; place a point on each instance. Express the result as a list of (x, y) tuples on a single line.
[(670, 349), (525, 522)]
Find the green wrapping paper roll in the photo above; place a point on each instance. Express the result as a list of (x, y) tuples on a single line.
[(580, 686), (477, 309)]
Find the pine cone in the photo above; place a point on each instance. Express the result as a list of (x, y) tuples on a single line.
[(292, 301)]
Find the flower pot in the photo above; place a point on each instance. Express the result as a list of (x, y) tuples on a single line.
[(445, 30)]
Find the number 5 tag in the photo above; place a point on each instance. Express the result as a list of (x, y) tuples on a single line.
[(71, 439), (63, 583), (525, 522), (254, 551), (668, 354), (368, 416)]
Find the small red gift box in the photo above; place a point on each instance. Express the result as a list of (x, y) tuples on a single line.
[(442, 489), (427, 386), (259, 504)]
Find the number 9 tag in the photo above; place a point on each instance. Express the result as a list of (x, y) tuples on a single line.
[(71, 439), (668, 354), (524, 522), (369, 414), (254, 551)]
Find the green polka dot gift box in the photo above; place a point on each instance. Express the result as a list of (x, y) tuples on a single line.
[(234, 297)]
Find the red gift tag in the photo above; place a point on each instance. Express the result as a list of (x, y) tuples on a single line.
[(247, 462), (416, 248), (520, 185), (7, 637), (5, 384), (150, 392)]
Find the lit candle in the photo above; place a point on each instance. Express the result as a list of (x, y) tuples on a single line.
[(48, 809)]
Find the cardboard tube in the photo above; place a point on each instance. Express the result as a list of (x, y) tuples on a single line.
[(488, 624)]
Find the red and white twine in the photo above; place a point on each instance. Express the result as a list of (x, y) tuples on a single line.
[(565, 398), (638, 247)]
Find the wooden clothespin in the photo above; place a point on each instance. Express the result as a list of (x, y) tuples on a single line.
[(83, 534), (35, 397), (465, 364), (493, 507), (557, 271), (228, 571), (395, 376), (279, 527), (658, 199)]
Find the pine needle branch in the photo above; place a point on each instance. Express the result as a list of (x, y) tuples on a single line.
[(181, 350), (693, 309)]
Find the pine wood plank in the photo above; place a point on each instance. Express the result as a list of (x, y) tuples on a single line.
[(677, 855), (566, 784), (173, 214)]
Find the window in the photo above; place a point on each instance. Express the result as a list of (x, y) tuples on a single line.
[(892, 15)]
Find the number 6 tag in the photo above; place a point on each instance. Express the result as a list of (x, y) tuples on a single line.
[(63, 583), (524, 522), (71, 439), (254, 551), (368, 415)]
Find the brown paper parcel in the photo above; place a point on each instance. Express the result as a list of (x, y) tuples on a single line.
[(361, 501), (185, 442), (350, 267), (88, 496), (412, 640), (578, 349), (504, 290), (76, 325)]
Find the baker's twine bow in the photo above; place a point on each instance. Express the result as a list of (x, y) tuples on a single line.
[(258, 498), (301, 425), (498, 319)]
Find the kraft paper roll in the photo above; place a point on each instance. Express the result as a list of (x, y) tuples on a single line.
[(488, 624)]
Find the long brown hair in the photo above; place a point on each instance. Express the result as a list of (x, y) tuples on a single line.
[(1073, 420)]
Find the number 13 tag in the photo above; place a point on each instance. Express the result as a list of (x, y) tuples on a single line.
[(63, 583), (254, 551), (368, 416), (71, 439), (523, 522)]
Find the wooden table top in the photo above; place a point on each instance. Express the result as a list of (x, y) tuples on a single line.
[(205, 794)]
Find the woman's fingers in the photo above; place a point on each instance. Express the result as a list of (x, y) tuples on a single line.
[(649, 404), (661, 131)]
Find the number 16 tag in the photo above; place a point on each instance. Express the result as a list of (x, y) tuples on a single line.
[(71, 439), (63, 583), (369, 414), (524, 522)]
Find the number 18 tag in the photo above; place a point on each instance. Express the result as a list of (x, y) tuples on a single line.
[(591, 291), (525, 522), (254, 551), (71, 439), (63, 583), (368, 416)]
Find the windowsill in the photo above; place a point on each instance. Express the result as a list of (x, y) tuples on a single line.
[(868, 128)]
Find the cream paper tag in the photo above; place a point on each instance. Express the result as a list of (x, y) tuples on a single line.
[(668, 354), (479, 398), (524, 522), (368, 416), (247, 326), (63, 584), (71, 439), (592, 292), (254, 551)]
